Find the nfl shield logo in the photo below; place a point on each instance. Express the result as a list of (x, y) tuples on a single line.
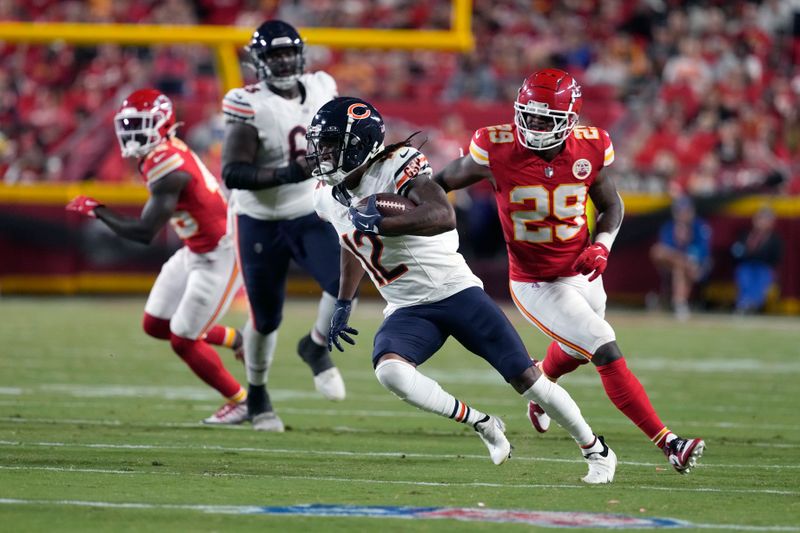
[(548, 172)]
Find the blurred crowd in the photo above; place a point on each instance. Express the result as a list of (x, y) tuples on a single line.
[(700, 97)]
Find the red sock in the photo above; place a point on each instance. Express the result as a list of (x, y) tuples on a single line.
[(558, 362), (156, 327), (204, 361), (220, 336), (629, 396)]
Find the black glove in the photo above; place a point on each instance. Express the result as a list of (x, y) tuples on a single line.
[(339, 327)]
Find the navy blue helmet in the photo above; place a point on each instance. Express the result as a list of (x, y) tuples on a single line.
[(277, 53), (344, 133)]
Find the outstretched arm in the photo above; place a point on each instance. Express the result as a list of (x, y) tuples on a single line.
[(159, 208), (239, 170), (461, 173)]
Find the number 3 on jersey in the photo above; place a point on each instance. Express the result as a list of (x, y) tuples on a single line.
[(566, 203)]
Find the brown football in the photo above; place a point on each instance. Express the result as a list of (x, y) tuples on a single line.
[(388, 204)]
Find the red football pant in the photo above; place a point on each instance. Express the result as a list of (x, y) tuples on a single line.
[(625, 391)]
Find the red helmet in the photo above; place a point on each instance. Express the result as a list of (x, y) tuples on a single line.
[(547, 108), (144, 119)]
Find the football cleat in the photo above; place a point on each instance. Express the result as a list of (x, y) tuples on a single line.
[(330, 384), (492, 433), (602, 465), (268, 421), (327, 378), (231, 413), (537, 416), (683, 454)]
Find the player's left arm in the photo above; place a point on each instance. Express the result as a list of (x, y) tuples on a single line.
[(461, 173), (164, 194), (610, 210), (433, 215)]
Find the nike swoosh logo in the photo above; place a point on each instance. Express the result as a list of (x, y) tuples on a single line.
[(159, 157), (404, 153)]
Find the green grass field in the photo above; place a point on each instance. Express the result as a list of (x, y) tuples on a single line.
[(99, 431)]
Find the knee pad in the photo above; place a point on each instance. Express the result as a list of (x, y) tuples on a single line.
[(396, 376), (607, 353), (156, 327)]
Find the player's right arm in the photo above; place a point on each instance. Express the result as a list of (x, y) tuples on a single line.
[(164, 194), (240, 148), (469, 169)]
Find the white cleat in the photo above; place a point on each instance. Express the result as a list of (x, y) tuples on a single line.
[(492, 433), (329, 383), (268, 421), (230, 413), (602, 465)]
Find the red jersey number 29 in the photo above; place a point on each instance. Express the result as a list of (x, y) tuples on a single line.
[(566, 203)]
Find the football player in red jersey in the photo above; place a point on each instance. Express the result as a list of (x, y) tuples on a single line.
[(197, 284), (542, 168)]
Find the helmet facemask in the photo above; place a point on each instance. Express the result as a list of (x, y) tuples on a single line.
[(138, 131), (542, 128), (333, 155), (279, 66)]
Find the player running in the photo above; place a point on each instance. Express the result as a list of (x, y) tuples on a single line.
[(431, 293), (263, 165), (196, 285), (542, 168)]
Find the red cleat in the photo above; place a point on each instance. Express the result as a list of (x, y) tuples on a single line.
[(537, 416), (684, 453)]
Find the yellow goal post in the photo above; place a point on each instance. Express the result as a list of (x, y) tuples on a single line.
[(226, 39)]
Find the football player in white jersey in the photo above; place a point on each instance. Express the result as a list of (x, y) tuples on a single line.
[(271, 198), (431, 293)]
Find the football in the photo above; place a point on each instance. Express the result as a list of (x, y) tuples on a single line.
[(389, 204)]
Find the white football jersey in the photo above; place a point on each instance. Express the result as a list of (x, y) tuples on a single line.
[(407, 269), (281, 126)]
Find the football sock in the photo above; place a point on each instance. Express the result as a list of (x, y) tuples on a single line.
[(562, 408), (592, 447), (558, 362), (413, 387), (220, 336), (259, 349), (319, 333), (627, 393), (258, 399), (156, 327), (205, 362)]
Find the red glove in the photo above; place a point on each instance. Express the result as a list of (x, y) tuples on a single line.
[(84, 205), (593, 259)]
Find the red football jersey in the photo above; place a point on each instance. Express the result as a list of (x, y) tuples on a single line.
[(200, 218), (541, 204)]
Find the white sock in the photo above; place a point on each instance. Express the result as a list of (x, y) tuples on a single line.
[(415, 388), (562, 408), (259, 350), (319, 333)]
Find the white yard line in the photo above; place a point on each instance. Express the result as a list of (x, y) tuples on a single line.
[(343, 453)]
